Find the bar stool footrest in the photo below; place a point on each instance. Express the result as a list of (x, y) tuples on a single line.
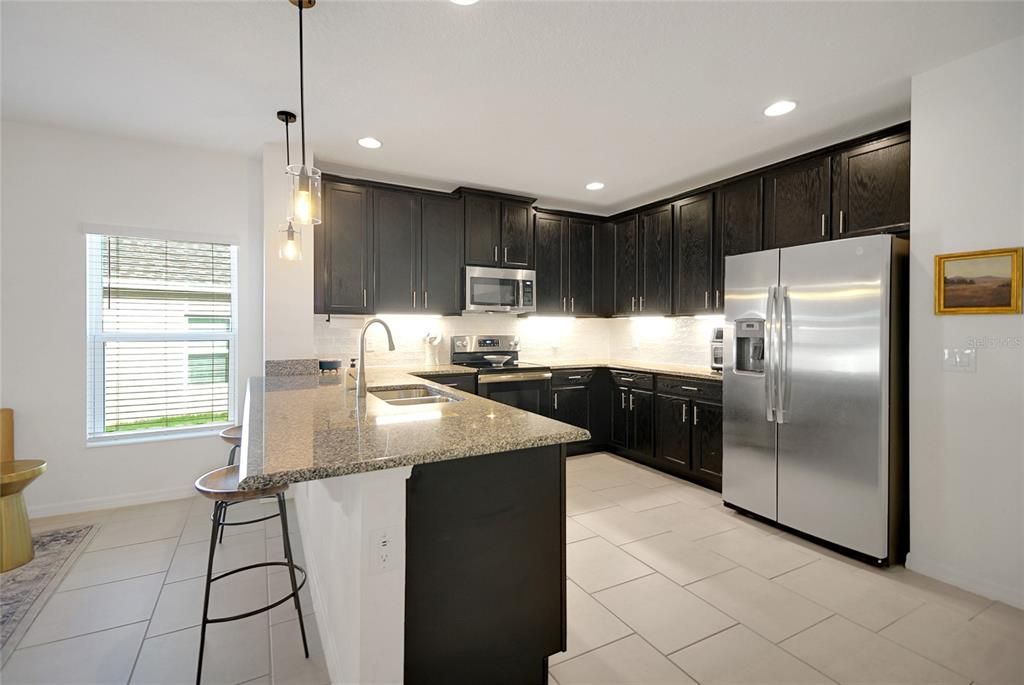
[(247, 614)]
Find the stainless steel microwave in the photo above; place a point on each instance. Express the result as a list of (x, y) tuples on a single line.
[(500, 290)]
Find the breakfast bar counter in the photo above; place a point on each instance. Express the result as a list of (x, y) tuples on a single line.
[(432, 523)]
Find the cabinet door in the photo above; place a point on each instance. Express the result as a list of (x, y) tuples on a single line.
[(626, 254), (572, 406), (582, 239), (707, 424), (738, 212), (342, 252), (441, 242), (642, 437), (874, 187), (797, 203), (549, 235), (620, 416), (673, 430), (693, 244), (483, 230), (396, 230), (656, 263), (516, 236), (463, 382)]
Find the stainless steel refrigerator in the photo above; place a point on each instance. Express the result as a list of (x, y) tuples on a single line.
[(814, 391)]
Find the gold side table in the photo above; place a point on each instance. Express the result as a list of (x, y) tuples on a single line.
[(15, 533)]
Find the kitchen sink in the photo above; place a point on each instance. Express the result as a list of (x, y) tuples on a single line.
[(413, 394)]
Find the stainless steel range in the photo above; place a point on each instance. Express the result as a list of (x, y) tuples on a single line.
[(500, 375)]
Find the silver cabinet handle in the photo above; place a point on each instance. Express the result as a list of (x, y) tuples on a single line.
[(556, 401), (690, 388), (505, 254), (364, 297), (626, 379), (572, 305), (840, 222), (623, 395), (426, 302), (705, 299), (632, 302), (641, 303), (631, 401), (695, 414), (717, 298), (822, 225), (414, 299), (575, 378), (563, 304), (495, 253)]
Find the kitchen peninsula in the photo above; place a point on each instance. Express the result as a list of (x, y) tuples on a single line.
[(432, 522)]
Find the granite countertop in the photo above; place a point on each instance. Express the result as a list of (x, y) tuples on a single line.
[(301, 428), (689, 370)]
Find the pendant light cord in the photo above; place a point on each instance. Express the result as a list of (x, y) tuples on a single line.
[(287, 145), (302, 88)]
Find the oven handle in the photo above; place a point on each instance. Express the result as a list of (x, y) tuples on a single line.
[(486, 378)]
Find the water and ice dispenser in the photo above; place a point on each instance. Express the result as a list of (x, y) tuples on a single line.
[(750, 345)]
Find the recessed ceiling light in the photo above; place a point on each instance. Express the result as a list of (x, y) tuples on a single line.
[(465, 2), (777, 109), (595, 185), (370, 143)]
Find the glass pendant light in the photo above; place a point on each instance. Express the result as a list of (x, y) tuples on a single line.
[(290, 237), (305, 201)]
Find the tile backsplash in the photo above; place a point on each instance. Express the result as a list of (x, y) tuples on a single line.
[(426, 340)]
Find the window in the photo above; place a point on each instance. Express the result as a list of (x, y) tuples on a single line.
[(161, 336)]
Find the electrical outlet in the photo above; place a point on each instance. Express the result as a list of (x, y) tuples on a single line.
[(383, 552)]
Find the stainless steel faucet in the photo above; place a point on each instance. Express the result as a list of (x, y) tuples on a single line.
[(361, 370)]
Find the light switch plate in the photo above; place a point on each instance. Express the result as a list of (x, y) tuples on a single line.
[(960, 360)]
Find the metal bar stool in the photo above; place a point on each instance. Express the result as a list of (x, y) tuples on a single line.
[(233, 437), (221, 486)]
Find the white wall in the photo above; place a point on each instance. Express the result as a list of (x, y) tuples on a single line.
[(967, 429), (54, 180)]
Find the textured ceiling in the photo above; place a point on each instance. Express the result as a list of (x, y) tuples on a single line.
[(530, 97)]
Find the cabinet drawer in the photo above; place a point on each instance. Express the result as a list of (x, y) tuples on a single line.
[(465, 382), (689, 387), (567, 377), (629, 379)]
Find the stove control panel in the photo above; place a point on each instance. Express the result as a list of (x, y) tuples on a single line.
[(485, 343)]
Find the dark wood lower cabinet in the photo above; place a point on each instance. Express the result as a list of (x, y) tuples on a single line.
[(673, 432), (707, 433), (572, 406)]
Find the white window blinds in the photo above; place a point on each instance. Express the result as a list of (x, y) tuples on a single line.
[(161, 335)]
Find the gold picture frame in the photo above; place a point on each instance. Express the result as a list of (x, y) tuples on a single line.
[(981, 282)]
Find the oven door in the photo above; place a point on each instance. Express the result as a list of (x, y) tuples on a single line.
[(499, 290), (527, 391)]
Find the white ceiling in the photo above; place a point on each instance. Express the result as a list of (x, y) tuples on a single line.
[(530, 97)]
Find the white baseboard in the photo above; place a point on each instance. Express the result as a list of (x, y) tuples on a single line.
[(110, 502), (1014, 596)]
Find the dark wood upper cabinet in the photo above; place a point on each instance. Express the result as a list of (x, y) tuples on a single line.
[(483, 230), (739, 212), (655, 268), (343, 252), (516, 235), (872, 187), (396, 228), (582, 242), (627, 245), (797, 203), (692, 263), (551, 287), (441, 242)]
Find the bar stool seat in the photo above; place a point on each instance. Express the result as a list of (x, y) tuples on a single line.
[(232, 436), (221, 486)]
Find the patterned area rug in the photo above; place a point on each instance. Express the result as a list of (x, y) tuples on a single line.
[(22, 587)]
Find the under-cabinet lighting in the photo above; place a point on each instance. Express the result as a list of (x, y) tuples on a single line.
[(777, 109)]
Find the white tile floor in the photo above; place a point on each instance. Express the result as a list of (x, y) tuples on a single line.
[(665, 586)]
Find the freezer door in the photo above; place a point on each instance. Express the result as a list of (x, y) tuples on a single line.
[(833, 456), (748, 427)]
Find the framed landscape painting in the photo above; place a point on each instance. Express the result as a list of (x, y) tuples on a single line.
[(985, 282)]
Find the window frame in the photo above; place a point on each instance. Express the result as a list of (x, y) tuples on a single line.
[(96, 339)]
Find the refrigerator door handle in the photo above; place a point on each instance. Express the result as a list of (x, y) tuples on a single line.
[(785, 316), (769, 352)]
